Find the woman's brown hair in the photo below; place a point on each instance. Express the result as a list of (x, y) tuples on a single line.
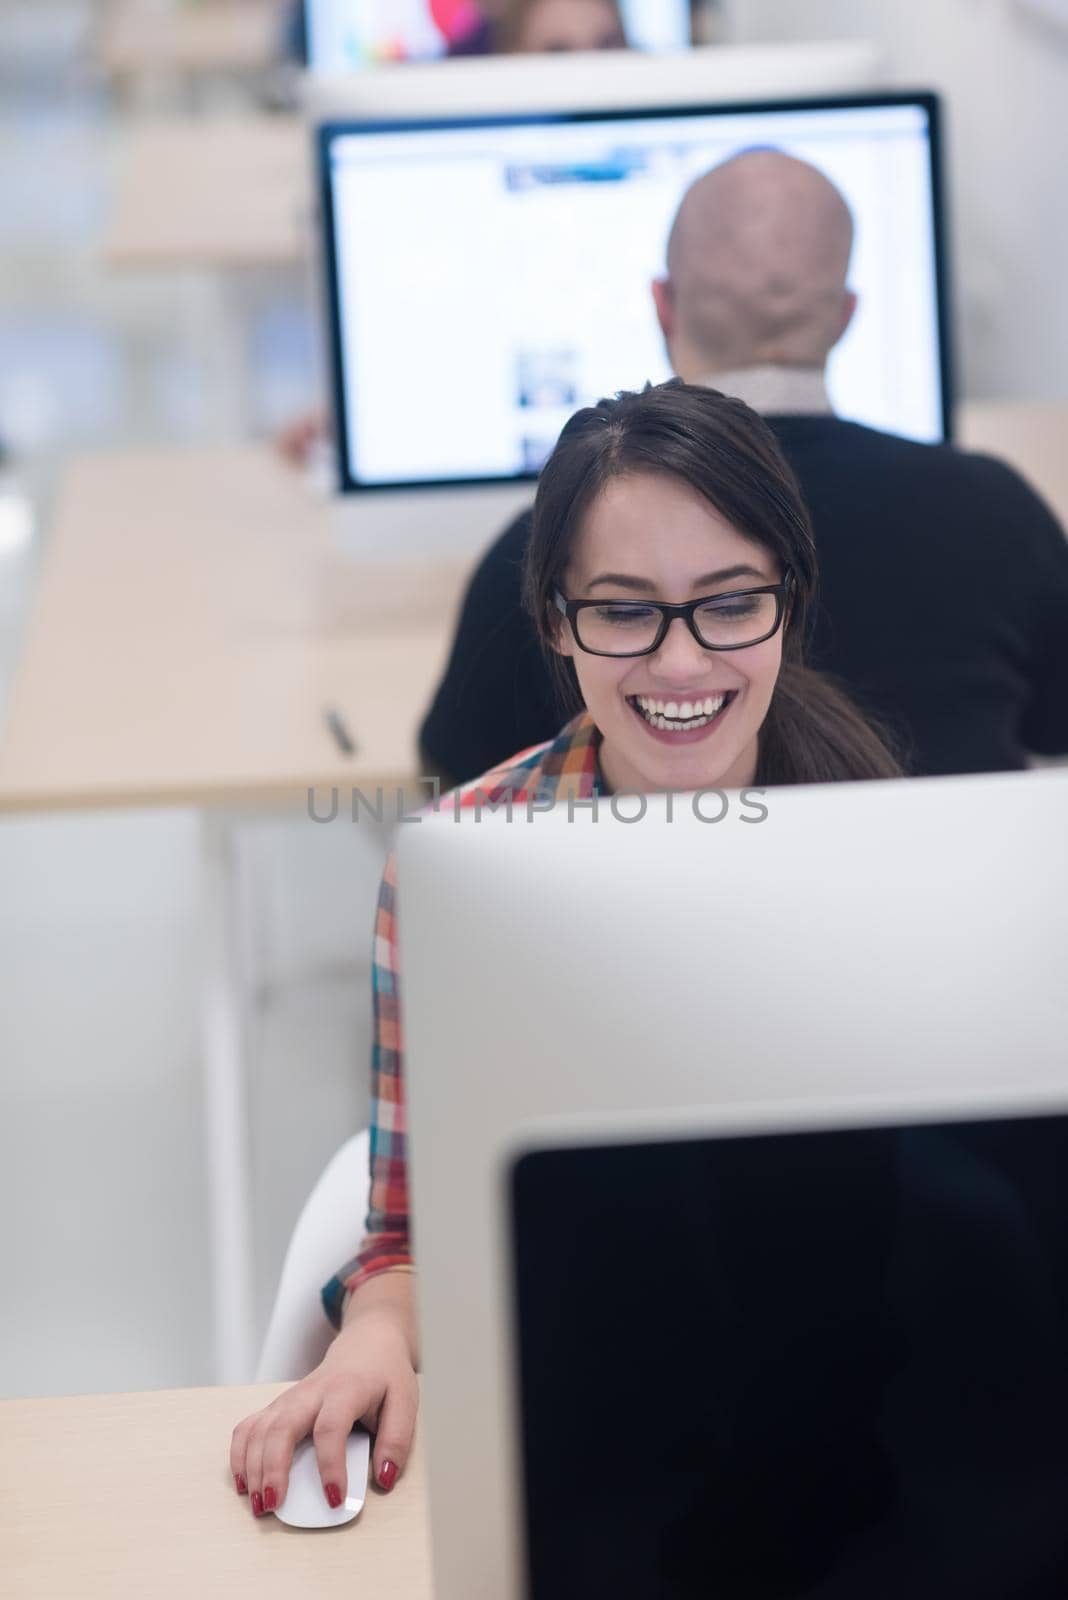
[(725, 452)]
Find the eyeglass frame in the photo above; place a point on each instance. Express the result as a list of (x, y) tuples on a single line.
[(782, 592)]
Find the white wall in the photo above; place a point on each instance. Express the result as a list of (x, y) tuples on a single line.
[(1005, 79)]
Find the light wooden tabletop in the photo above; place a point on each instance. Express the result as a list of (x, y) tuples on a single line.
[(130, 1495), (135, 36), (222, 191), (193, 624)]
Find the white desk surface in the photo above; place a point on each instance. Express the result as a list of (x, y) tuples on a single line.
[(106, 1497), (221, 191), (135, 36), (191, 624)]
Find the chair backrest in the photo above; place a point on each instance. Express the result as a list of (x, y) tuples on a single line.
[(327, 1233)]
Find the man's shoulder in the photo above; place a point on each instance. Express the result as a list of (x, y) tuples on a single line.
[(511, 544), (835, 442), (498, 569)]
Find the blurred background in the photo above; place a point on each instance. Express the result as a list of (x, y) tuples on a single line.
[(110, 340)]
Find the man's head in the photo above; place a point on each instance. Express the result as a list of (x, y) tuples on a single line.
[(550, 25), (757, 266)]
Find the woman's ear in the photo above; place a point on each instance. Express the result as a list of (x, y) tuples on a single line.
[(560, 635), (559, 627), (788, 607)]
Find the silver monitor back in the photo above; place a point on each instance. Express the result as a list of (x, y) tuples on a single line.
[(861, 952), (484, 86)]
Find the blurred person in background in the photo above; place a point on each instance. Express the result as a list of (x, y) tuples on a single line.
[(518, 26), (529, 26), (539, 26), (944, 577)]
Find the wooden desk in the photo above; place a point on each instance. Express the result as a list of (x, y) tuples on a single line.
[(191, 624), (128, 1496), (193, 620), (141, 36), (220, 192)]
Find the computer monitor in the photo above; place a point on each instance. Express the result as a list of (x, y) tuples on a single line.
[(820, 1361), (882, 955), (487, 276), (348, 35)]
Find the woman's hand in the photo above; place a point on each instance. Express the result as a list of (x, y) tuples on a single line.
[(367, 1375)]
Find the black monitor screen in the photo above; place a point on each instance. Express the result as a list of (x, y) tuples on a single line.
[(820, 1365)]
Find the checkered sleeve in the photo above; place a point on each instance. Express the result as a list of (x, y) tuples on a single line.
[(565, 766), (386, 1243)]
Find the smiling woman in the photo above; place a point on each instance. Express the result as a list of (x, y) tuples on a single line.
[(672, 564), (670, 572)]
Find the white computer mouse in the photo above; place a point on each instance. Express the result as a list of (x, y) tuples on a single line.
[(305, 1503)]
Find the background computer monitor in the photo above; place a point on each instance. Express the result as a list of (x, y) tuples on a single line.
[(488, 276), (348, 35), (868, 954)]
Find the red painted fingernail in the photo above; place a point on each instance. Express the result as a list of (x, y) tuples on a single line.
[(257, 1503), (240, 1485), (387, 1475), (333, 1496), (270, 1499)]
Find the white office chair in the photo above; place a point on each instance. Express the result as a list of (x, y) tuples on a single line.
[(326, 1235)]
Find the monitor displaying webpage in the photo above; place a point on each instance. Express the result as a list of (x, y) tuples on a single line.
[(490, 279), (347, 35)]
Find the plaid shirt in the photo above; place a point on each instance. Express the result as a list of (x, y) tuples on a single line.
[(567, 766)]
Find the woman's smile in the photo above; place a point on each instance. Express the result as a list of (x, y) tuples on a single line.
[(681, 721)]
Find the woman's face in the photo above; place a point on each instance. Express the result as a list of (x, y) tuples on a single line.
[(571, 25), (655, 538)]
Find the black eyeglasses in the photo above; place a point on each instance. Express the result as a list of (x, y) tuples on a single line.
[(731, 621)]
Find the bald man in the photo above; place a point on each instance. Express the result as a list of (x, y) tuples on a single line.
[(758, 261), (943, 577)]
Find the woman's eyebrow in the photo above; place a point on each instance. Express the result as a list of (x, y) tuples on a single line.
[(623, 580)]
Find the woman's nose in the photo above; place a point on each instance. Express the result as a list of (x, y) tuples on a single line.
[(679, 656)]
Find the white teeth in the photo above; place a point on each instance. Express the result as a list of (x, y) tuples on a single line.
[(686, 712)]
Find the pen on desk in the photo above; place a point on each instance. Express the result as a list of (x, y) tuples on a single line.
[(342, 738)]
